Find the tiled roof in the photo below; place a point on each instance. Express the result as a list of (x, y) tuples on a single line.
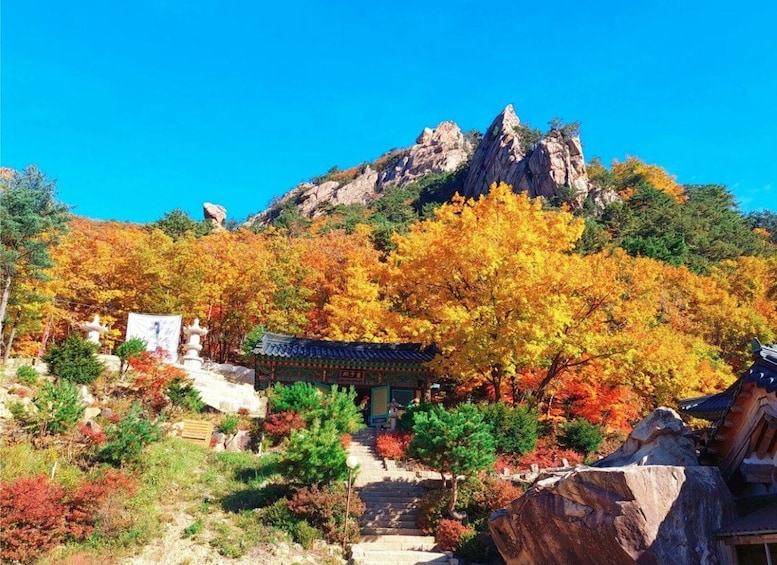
[(761, 521), (711, 407), (762, 373), (278, 345)]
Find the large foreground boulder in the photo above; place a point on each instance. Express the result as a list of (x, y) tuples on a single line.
[(638, 512)]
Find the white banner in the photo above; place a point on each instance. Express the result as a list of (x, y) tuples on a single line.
[(157, 331)]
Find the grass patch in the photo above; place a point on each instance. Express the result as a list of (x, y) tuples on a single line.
[(21, 460), (243, 481), (234, 539)]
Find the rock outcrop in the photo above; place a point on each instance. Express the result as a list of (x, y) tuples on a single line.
[(549, 167), (215, 214), (554, 166), (661, 438), (499, 157), (657, 506), (311, 198), (440, 150)]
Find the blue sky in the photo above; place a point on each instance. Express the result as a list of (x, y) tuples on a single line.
[(140, 108)]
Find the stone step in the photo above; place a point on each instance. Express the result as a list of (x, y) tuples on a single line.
[(392, 508), (381, 475), (379, 500), (387, 481), (389, 524), (392, 488), (395, 542), (406, 557), (368, 519), (377, 531)]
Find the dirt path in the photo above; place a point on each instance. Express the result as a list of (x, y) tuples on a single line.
[(175, 549)]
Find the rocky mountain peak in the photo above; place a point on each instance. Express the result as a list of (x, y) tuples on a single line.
[(499, 157), (550, 166)]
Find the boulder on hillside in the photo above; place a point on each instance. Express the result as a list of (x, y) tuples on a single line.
[(657, 506), (661, 438), (215, 214)]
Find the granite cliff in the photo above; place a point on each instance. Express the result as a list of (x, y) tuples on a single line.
[(551, 166)]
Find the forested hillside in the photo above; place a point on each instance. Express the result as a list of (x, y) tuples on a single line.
[(596, 312)]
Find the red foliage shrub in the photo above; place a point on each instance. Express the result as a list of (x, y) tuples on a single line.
[(101, 502), (21, 392), (393, 445), (448, 533), (92, 435), (324, 508), (37, 514), (495, 493), (279, 426), (33, 518), (504, 461), (153, 376), (345, 440), (549, 454), (432, 508)]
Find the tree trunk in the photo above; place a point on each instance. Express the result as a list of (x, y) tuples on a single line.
[(9, 343), (496, 382), (454, 496), (4, 301), (7, 351), (555, 369)]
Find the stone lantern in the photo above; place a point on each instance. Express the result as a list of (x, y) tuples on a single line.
[(94, 330), (192, 359)]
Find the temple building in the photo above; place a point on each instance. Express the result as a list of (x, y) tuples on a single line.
[(383, 373), (742, 442)]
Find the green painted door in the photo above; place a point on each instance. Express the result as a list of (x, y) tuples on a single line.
[(379, 405)]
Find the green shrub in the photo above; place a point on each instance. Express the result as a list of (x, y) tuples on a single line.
[(315, 456), (300, 397), (75, 360), (337, 406), (184, 395), (130, 348), (279, 516), (126, 440), (59, 407), (514, 428), (229, 424), (453, 443), (407, 420), (252, 338), (475, 546), (305, 534), (18, 412), (27, 375), (582, 436), (192, 530)]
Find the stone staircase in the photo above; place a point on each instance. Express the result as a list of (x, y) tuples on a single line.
[(388, 526)]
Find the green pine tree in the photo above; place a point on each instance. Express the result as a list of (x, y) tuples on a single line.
[(458, 442)]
